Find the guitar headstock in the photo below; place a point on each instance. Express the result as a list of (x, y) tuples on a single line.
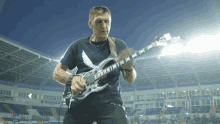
[(163, 41), (156, 44)]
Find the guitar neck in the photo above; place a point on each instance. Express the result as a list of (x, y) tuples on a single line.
[(121, 62)]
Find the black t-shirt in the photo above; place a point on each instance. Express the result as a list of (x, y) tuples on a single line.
[(85, 56)]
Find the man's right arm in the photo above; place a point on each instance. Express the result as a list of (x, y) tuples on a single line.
[(60, 73)]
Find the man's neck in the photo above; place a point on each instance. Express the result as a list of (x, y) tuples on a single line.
[(98, 39)]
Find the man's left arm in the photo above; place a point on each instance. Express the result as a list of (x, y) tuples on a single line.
[(128, 71)]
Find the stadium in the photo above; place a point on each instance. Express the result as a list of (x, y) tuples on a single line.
[(180, 86)]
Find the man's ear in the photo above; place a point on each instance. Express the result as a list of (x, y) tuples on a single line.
[(90, 24)]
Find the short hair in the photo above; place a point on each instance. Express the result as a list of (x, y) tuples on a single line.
[(98, 10)]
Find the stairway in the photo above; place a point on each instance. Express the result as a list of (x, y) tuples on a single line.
[(162, 112), (54, 112), (3, 121), (40, 122), (9, 109), (212, 110)]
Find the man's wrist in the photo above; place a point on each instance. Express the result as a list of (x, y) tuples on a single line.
[(128, 70), (70, 78)]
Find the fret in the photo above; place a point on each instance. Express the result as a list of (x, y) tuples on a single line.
[(108, 70), (114, 66), (111, 68), (98, 75), (95, 76), (141, 51), (117, 64), (134, 55), (101, 73), (104, 71), (122, 62), (127, 59)]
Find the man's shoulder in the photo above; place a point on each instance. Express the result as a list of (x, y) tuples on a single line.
[(118, 41), (80, 40)]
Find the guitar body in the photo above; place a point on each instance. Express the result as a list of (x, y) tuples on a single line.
[(93, 85)]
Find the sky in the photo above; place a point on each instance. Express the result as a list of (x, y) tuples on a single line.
[(50, 26)]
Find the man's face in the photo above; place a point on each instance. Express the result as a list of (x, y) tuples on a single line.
[(101, 25)]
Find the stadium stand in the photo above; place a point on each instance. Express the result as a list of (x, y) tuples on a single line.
[(3, 109), (44, 111), (191, 84), (21, 109)]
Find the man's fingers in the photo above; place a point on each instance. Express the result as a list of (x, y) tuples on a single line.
[(78, 88), (73, 90), (82, 82)]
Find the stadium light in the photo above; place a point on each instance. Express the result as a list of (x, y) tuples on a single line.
[(195, 90), (169, 106), (200, 44), (184, 91), (217, 88), (203, 43), (173, 49)]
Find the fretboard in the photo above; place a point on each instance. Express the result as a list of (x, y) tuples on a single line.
[(118, 64), (128, 59)]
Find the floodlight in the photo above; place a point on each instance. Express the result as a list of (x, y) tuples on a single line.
[(169, 106), (173, 49), (203, 43)]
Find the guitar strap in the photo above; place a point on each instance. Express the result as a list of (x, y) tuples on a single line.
[(112, 46)]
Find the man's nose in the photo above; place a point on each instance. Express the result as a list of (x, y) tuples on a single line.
[(103, 25)]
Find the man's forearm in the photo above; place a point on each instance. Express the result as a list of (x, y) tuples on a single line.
[(61, 77), (130, 76)]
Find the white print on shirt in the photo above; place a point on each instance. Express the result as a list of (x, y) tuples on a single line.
[(87, 61)]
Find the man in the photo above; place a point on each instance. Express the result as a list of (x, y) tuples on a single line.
[(106, 106)]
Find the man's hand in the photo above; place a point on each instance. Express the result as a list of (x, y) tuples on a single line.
[(124, 54), (77, 84)]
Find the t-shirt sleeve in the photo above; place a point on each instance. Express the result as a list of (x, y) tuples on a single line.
[(121, 45), (69, 57)]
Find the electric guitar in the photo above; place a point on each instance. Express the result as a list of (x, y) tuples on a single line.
[(92, 77)]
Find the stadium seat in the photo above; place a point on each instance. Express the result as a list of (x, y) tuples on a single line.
[(44, 111)]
